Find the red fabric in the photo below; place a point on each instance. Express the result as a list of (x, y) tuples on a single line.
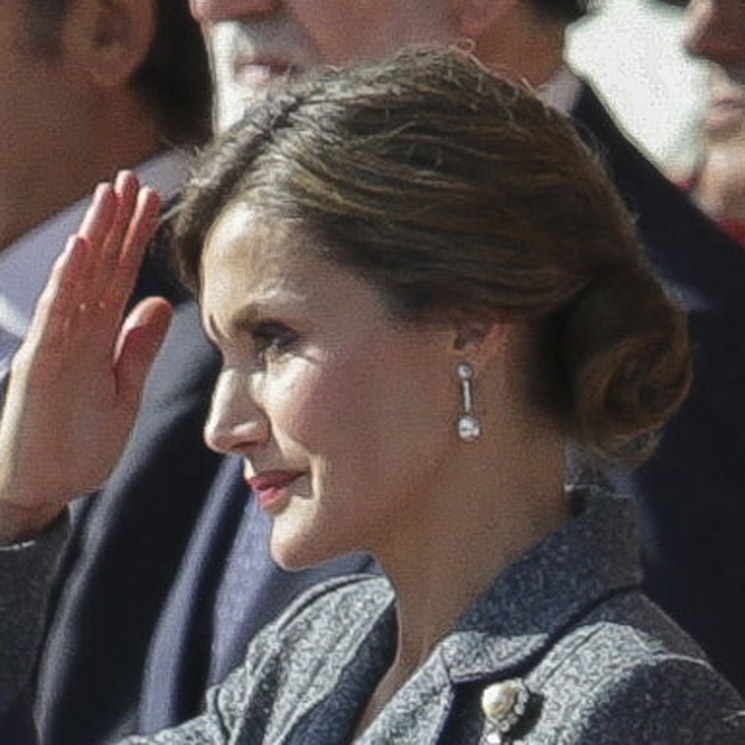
[(735, 229)]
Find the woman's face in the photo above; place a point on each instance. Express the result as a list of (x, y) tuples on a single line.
[(342, 414)]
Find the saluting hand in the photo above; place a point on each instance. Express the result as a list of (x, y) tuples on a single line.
[(77, 380)]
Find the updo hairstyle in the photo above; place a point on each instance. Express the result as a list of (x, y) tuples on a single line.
[(461, 195)]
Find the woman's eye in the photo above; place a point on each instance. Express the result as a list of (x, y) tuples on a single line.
[(272, 339)]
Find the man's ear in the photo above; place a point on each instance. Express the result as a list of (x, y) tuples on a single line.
[(109, 39), (476, 18)]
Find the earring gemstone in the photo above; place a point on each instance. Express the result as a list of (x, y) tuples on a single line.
[(469, 427), (465, 371)]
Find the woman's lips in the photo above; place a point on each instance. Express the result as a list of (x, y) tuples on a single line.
[(271, 487)]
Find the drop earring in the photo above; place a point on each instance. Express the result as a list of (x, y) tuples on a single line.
[(469, 427)]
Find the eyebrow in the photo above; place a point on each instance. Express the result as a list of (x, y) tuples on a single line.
[(244, 320)]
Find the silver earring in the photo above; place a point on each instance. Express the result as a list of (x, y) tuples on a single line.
[(469, 427)]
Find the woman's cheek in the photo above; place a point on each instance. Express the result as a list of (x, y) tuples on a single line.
[(295, 401)]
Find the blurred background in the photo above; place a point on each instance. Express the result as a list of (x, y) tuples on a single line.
[(632, 52)]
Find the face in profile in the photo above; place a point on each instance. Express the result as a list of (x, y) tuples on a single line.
[(724, 116), (255, 45), (716, 31), (343, 413)]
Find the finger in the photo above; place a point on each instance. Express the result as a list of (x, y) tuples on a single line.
[(96, 224), (140, 232), (60, 298), (142, 227), (111, 299), (139, 341), (126, 187), (46, 344), (99, 216), (125, 191)]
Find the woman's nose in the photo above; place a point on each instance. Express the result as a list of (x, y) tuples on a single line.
[(211, 11), (235, 423)]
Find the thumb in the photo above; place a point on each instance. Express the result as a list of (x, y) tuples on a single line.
[(139, 341)]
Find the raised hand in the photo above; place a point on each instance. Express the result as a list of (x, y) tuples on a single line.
[(76, 382)]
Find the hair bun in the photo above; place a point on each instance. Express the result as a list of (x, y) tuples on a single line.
[(627, 358)]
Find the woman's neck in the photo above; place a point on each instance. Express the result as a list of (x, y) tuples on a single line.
[(455, 562), (454, 541)]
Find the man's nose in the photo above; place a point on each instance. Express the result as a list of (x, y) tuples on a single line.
[(235, 424), (716, 32), (211, 11)]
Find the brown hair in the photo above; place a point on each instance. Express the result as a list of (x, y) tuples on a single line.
[(456, 192)]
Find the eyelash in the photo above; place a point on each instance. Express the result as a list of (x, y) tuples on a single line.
[(272, 339)]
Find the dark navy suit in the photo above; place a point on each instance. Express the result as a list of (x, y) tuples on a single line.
[(131, 644)]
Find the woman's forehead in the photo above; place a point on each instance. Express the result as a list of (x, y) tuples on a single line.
[(251, 259), (251, 241)]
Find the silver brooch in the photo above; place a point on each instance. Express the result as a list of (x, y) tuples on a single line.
[(503, 705)]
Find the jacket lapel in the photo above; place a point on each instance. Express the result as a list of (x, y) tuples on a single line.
[(419, 710)]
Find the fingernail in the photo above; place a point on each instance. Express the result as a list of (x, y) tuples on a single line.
[(124, 179)]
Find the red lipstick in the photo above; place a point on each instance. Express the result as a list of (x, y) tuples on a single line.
[(271, 487)]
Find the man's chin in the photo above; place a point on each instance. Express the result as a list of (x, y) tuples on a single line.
[(232, 101), (230, 109)]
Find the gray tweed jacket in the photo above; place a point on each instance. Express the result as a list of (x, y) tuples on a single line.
[(562, 648)]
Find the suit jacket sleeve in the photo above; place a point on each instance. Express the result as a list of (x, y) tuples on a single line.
[(27, 572)]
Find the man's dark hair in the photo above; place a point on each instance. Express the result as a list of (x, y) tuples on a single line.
[(174, 78), (563, 10)]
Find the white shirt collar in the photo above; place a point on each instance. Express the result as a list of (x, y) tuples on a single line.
[(25, 264), (561, 90)]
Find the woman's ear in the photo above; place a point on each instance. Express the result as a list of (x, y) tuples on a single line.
[(109, 39), (479, 341)]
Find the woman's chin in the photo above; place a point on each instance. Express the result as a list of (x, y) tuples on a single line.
[(294, 551), (295, 547)]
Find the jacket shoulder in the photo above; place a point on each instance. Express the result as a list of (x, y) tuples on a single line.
[(626, 673), (293, 662)]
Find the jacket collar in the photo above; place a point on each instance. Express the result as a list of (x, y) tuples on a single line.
[(516, 619), (530, 604)]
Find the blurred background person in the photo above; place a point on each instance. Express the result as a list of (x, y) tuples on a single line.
[(716, 31), (632, 53), (717, 184), (89, 87)]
